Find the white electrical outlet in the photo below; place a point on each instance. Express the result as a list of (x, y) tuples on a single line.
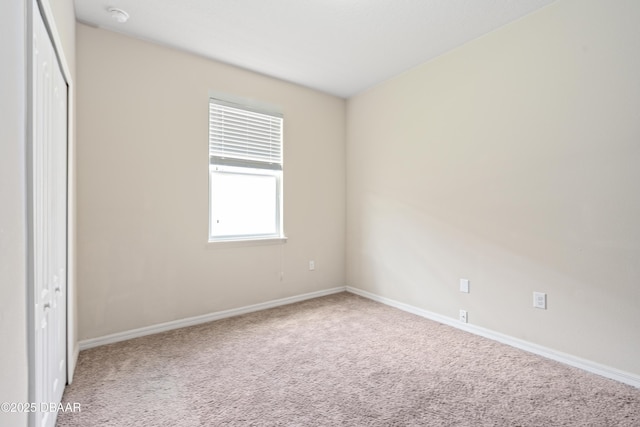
[(464, 285), (463, 316), (540, 300), (312, 265)]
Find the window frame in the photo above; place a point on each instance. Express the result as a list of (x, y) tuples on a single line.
[(233, 165)]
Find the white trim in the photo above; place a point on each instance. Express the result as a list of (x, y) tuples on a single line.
[(72, 343), (196, 320), (249, 103), (47, 15), (567, 359), (246, 242), (73, 352)]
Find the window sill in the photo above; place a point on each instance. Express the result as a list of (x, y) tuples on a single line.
[(232, 243)]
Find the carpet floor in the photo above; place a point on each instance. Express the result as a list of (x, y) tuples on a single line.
[(339, 360)]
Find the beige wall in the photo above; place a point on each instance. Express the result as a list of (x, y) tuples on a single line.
[(143, 256), (513, 162)]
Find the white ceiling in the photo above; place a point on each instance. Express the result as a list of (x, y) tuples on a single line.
[(337, 46)]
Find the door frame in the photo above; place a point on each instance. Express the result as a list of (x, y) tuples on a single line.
[(43, 8)]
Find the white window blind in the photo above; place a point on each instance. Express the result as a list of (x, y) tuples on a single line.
[(242, 137)]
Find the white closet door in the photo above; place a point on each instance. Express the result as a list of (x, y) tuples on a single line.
[(49, 216)]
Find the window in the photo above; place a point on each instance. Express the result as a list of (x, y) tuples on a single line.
[(245, 173)]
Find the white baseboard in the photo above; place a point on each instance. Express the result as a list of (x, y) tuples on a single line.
[(196, 320), (587, 365), (577, 362)]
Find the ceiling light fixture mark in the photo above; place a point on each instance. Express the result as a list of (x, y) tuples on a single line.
[(119, 15)]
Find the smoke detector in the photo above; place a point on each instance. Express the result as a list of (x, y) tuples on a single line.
[(118, 15)]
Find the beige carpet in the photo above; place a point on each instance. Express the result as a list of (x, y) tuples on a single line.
[(339, 360)]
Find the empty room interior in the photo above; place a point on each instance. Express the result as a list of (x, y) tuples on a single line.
[(468, 167)]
